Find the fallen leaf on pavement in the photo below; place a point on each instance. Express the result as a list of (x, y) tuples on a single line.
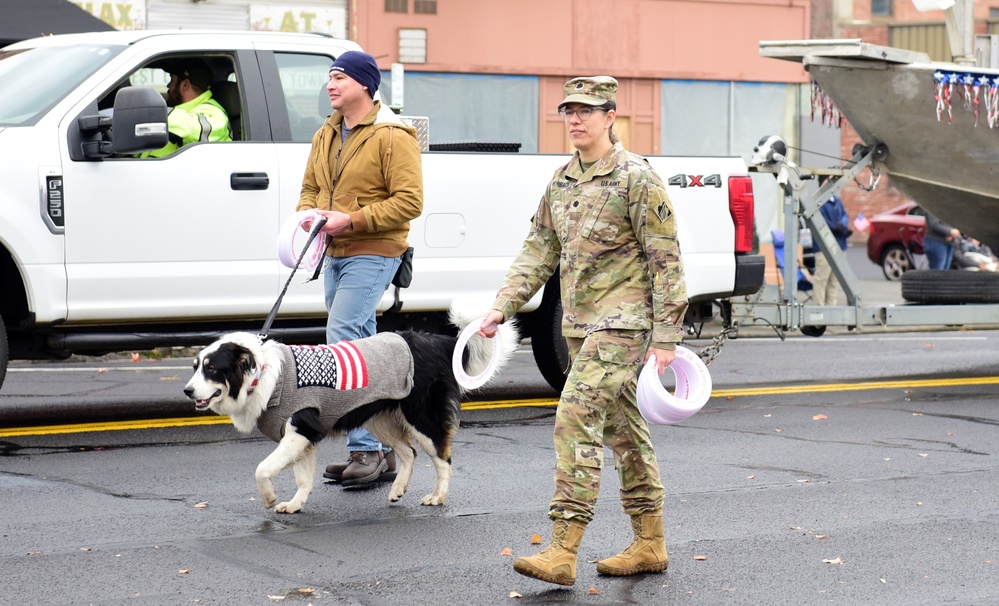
[(506, 552), (700, 558), (184, 571), (593, 591), (201, 505), (837, 560), (536, 539), (917, 414), (136, 357), (752, 477), (819, 417), (821, 536), (514, 594)]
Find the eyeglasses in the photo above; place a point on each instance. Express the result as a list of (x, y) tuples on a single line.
[(584, 113)]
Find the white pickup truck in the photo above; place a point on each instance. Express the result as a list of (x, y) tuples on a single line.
[(104, 251)]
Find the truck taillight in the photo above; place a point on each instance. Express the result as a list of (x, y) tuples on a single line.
[(740, 205)]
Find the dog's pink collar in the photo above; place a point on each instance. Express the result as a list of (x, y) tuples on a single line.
[(256, 379)]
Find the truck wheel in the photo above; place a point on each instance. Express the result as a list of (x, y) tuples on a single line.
[(4, 352), (550, 351), (950, 286), (894, 262)]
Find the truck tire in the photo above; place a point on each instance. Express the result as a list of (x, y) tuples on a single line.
[(944, 286), (550, 351), (4, 352)]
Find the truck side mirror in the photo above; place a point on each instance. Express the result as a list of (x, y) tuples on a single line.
[(140, 120)]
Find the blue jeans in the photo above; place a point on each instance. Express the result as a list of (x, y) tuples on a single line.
[(354, 286), (938, 253)]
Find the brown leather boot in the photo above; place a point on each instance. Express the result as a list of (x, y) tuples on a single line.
[(390, 472), (557, 562), (647, 552), (334, 472), (364, 467)]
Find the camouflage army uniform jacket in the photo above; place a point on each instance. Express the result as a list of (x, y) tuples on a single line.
[(612, 231)]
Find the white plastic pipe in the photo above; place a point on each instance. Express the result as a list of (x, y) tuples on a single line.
[(464, 379), (292, 229), (693, 389)]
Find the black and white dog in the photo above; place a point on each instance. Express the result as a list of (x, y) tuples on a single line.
[(400, 386)]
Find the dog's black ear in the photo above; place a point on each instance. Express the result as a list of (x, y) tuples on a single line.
[(245, 361)]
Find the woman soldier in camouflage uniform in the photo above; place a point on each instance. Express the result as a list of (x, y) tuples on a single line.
[(607, 223)]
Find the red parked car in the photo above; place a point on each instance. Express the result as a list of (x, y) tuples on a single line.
[(895, 236)]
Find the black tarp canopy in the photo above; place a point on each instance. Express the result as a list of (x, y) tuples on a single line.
[(23, 19)]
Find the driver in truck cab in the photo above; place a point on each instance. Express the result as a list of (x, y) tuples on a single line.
[(194, 115)]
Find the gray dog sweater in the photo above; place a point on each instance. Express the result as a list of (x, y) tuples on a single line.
[(336, 379)]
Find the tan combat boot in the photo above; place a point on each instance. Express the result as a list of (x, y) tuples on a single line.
[(647, 552), (557, 562)]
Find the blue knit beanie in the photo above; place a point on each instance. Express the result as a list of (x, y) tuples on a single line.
[(361, 67)]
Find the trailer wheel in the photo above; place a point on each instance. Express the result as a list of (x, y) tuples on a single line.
[(550, 351), (895, 262), (4, 352), (945, 286)]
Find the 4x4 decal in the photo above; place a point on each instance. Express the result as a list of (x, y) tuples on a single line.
[(696, 180)]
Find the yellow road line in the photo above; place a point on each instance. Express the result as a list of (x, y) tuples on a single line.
[(113, 426), (501, 404), (901, 384)]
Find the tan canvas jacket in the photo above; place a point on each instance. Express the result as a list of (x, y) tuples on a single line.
[(375, 176)]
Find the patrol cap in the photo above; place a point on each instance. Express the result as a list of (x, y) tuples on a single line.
[(590, 90), (195, 70)]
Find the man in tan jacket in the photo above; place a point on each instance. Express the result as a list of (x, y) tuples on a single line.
[(364, 175)]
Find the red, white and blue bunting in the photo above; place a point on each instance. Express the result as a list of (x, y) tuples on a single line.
[(975, 92), (825, 108)]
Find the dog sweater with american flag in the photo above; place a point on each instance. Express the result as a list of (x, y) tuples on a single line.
[(338, 378)]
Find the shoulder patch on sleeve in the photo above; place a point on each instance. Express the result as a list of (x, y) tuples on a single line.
[(663, 211)]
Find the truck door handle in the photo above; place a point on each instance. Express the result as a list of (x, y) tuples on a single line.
[(249, 181)]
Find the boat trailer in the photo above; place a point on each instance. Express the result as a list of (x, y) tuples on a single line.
[(777, 305)]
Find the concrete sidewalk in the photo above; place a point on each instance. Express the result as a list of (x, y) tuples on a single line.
[(875, 289)]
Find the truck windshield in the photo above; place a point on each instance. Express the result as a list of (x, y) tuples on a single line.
[(34, 80)]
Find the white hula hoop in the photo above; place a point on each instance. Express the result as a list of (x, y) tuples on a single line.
[(693, 389), (292, 228), (464, 379)]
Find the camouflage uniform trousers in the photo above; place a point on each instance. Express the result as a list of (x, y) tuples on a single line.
[(598, 406)]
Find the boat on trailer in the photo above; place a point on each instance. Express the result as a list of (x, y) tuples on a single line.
[(932, 126)]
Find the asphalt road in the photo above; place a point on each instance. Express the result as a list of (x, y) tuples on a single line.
[(854, 469)]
